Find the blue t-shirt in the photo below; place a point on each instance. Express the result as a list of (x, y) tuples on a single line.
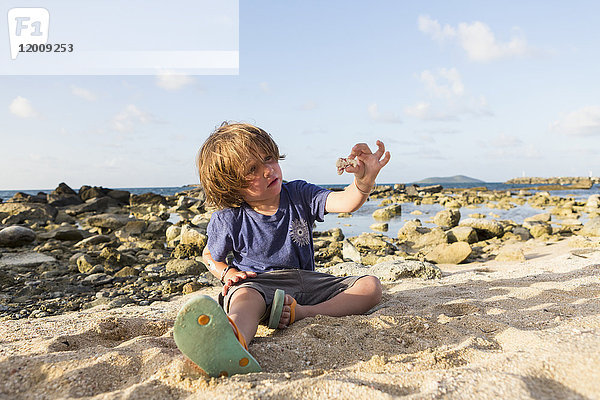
[(263, 243)]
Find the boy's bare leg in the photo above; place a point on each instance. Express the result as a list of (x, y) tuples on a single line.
[(245, 309), (357, 299)]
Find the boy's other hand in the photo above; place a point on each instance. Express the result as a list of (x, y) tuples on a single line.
[(234, 276), (369, 163)]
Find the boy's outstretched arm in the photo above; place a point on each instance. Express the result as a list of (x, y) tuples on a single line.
[(232, 275), (365, 173)]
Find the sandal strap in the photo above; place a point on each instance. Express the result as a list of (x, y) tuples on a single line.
[(238, 334)]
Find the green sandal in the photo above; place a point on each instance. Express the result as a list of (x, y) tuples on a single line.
[(277, 308), (203, 333)]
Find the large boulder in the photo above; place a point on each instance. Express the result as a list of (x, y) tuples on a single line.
[(185, 267), (387, 212), (21, 197), (430, 239), (538, 228), (192, 235), (447, 219), (592, 203), (387, 271), (591, 228), (454, 253), (64, 233), (62, 196), (510, 253), (18, 213), (147, 199), (108, 221), (462, 234), (14, 236), (486, 229)]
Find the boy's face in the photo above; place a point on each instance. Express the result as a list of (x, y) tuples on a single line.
[(264, 177)]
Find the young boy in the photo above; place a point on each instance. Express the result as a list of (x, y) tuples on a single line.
[(267, 225)]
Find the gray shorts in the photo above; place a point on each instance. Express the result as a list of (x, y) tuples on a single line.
[(307, 287)]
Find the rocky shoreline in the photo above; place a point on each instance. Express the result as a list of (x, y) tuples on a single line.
[(71, 250)]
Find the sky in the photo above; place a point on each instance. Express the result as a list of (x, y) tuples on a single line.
[(465, 87)]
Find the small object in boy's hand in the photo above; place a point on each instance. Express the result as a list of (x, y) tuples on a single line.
[(342, 163)]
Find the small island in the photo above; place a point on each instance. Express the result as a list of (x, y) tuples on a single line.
[(449, 179)]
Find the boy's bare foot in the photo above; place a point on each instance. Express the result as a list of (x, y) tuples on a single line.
[(286, 313)]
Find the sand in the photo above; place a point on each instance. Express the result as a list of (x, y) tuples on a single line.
[(518, 330)]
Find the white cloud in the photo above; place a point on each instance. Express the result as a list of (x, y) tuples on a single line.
[(448, 97), (83, 93), (452, 86), (424, 111), (22, 108), (172, 81), (476, 39), (582, 122), (126, 120), (376, 115)]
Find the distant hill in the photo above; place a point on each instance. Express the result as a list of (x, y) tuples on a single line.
[(450, 179)]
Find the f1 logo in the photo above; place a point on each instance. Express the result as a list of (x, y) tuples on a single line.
[(27, 26)]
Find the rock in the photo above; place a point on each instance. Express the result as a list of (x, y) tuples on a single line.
[(591, 228), (25, 259), (186, 250), (454, 253), (6, 280), (389, 271), (114, 259), (486, 229), (462, 234), (185, 267), (191, 287), (372, 241), (447, 219), (122, 196), (20, 212), (109, 221), (510, 253), (97, 279), (411, 230), (127, 272), (21, 197), (15, 236), (95, 204), (63, 233), (382, 227), (349, 252), (85, 264), (432, 238), (387, 212), (146, 199), (173, 233), (62, 196), (544, 217), (92, 241), (592, 203), (522, 232), (538, 228), (62, 217), (200, 221), (87, 192), (191, 235), (344, 215)]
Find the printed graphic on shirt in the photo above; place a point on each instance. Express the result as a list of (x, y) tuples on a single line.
[(299, 232)]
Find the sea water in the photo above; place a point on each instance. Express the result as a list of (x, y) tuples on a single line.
[(362, 219)]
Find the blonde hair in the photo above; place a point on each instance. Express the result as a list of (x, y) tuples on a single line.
[(224, 157)]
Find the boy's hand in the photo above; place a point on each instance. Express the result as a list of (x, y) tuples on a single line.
[(234, 276), (369, 164)]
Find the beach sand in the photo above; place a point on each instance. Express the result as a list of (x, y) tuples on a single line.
[(526, 330)]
